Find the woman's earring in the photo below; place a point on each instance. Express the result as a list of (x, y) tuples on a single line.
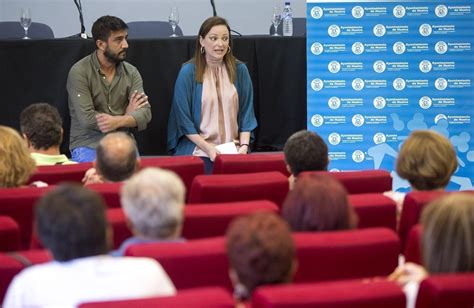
[(202, 49), (228, 49)]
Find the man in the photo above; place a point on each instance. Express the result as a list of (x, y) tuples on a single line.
[(105, 93), (305, 151), (71, 223), (153, 203), (116, 160), (42, 128)]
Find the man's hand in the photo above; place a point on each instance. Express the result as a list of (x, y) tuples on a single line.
[(137, 101), (107, 123), (91, 177)]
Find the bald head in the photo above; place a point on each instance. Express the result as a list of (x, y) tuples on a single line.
[(116, 157)]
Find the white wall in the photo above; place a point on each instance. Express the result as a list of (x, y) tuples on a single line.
[(245, 16)]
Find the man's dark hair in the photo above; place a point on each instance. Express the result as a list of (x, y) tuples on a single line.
[(42, 125), (70, 221), (306, 151), (103, 27), (116, 158)]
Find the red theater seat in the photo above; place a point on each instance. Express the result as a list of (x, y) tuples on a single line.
[(360, 182), (341, 294), (61, 173), (110, 192), (213, 297), (9, 234), (413, 204), (13, 263), (225, 164), (19, 204), (374, 210), (447, 290), (271, 186), (413, 250)]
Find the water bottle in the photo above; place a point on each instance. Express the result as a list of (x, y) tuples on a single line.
[(287, 20)]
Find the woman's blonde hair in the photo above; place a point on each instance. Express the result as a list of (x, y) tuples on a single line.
[(448, 234), (16, 164), (427, 160)]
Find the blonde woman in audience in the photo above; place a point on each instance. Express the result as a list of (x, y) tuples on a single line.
[(16, 164), (261, 252), (447, 243)]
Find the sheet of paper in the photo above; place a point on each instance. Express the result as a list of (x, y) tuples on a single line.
[(227, 148)]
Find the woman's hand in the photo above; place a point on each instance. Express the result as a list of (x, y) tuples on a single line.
[(243, 149), (212, 152), (408, 272)]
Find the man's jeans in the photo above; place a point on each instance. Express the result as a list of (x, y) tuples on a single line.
[(83, 154)]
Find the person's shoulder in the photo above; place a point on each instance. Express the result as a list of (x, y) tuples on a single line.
[(241, 66), (128, 66), (82, 63), (188, 67)]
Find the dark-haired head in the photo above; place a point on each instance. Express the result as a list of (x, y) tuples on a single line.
[(105, 25), (306, 151)]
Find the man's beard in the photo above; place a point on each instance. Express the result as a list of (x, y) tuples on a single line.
[(114, 57)]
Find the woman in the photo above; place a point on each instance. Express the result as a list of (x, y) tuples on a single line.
[(213, 98), (16, 164), (318, 203), (447, 243)]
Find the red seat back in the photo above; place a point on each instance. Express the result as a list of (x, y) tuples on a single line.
[(271, 186), (61, 173), (374, 210), (361, 182), (212, 297), (413, 249), (225, 164), (110, 192), (341, 294), (9, 234), (447, 290)]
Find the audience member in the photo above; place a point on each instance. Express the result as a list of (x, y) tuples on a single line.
[(153, 202), (16, 164), (305, 151), (42, 128), (213, 98), (117, 160), (318, 203), (71, 223), (260, 251), (447, 243), (105, 92)]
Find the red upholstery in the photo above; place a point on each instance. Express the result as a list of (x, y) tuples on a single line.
[(61, 173), (447, 290), (413, 204), (413, 252), (10, 266), (187, 167), (321, 256), (271, 186), (213, 297), (341, 294), (9, 234), (19, 203), (374, 210), (251, 163), (346, 254), (110, 192), (361, 182)]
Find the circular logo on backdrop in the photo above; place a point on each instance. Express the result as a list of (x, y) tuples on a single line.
[(379, 66), (379, 138), (441, 84), (334, 30), (379, 30), (334, 102), (358, 84), (358, 156), (357, 48), (399, 48), (441, 10), (439, 117), (425, 102), (425, 29), (441, 47), (399, 11), (334, 67), (358, 120), (317, 12), (317, 48), (357, 11), (317, 84), (425, 66), (399, 84), (334, 138), (379, 102), (317, 120)]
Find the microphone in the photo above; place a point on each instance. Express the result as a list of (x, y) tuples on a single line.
[(82, 34), (214, 13)]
